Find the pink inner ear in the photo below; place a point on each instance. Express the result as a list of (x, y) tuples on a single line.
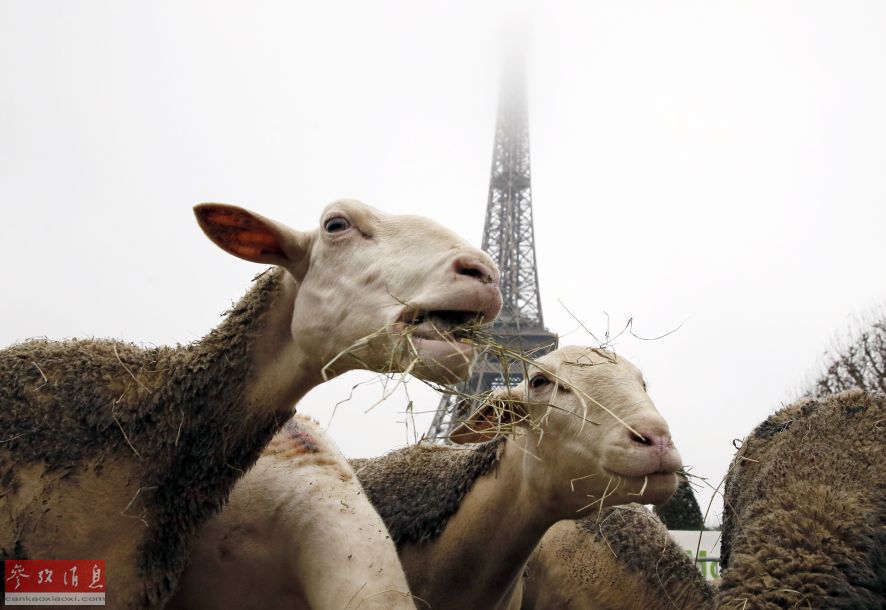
[(251, 243), (227, 218), (255, 238), (241, 234)]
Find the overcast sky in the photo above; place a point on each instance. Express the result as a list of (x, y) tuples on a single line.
[(712, 166)]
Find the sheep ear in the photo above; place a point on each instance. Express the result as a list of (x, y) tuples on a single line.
[(503, 410), (252, 237)]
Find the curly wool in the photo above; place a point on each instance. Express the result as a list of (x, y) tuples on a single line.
[(175, 414), (620, 559), (417, 489), (805, 508), (642, 546)]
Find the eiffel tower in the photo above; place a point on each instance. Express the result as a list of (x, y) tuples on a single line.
[(509, 238)]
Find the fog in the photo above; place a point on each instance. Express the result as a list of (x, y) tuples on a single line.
[(711, 169)]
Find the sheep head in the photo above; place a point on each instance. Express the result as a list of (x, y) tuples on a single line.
[(375, 291), (588, 417)]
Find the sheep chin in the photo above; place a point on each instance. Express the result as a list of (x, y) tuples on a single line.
[(444, 361)]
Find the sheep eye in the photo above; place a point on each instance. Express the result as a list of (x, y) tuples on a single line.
[(538, 381), (337, 224)]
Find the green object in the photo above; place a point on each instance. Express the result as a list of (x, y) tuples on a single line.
[(681, 512)]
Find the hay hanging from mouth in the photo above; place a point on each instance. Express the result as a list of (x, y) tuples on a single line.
[(505, 419), (506, 415), (403, 347)]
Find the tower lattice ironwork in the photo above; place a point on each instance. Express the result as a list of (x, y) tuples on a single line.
[(509, 238)]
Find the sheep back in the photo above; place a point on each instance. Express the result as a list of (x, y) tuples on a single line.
[(642, 545), (619, 559)]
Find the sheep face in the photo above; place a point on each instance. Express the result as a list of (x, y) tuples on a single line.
[(375, 291), (594, 420)]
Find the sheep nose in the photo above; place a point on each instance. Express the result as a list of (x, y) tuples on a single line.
[(658, 445), (474, 266), (659, 441)]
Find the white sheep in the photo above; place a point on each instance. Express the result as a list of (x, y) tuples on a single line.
[(116, 452), (622, 559), (467, 519), (804, 522), (298, 532)]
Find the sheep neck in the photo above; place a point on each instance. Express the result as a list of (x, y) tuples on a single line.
[(242, 381), (284, 368), (251, 369), (489, 540)]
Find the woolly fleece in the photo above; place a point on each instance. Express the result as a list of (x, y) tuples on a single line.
[(67, 405), (621, 559), (417, 489), (805, 508)]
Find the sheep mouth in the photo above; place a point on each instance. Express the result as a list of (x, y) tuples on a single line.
[(654, 487), (438, 342), (641, 475), (441, 324)]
